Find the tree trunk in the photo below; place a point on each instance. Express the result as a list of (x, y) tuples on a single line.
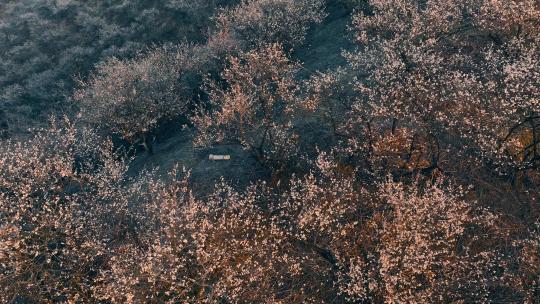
[(148, 147)]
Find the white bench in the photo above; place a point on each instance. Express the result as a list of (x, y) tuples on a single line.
[(219, 157)]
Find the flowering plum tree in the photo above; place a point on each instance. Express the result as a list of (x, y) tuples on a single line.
[(129, 98), (253, 22), (424, 249), (254, 107), (439, 99), (61, 204), (438, 71)]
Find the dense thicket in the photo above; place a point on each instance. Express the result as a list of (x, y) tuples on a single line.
[(46, 44), (411, 174)]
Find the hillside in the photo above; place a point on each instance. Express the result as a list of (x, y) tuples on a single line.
[(270, 151)]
